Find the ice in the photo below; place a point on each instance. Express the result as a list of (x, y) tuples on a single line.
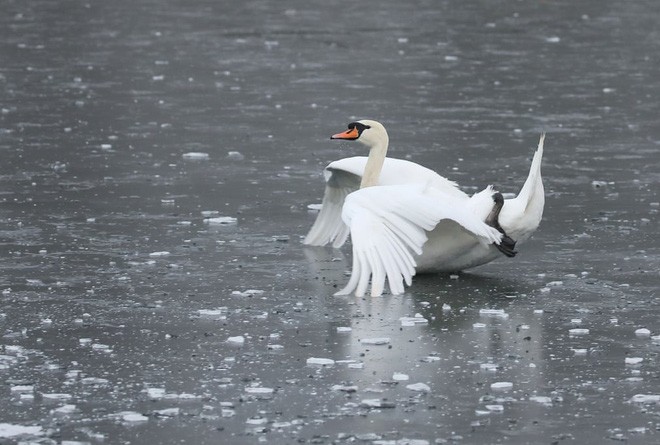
[(399, 377), (237, 340), (9, 430), (501, 386), (56, 396), (580, 351), (235, 155), (159, 254), (22, 389), (634, 360), (495, 408), (65, 409), (643, 332), (578, 331), (314, 207), (247, 293), (101, 347), (496, 313), (446, 307), (131, 417), (419, 387), (375, 341), (345, 388), (97, 381), (344, 329), (259, 390), (490, 367), (221, 220), (645, 398), (168, 412), (320, 361), (196, 156), (213, 312), (257, 421), (412, 321), (155, 393), (376, 403), (543, 400)]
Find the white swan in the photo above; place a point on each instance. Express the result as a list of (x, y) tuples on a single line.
[(404, 218)]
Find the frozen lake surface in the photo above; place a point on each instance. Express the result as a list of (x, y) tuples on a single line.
[(161, 161)]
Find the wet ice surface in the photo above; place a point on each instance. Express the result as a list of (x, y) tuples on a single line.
[(161, 161)]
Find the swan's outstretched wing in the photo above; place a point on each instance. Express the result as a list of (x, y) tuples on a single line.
[(388, 224), (329, 227)]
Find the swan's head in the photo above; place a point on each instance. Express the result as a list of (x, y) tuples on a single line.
[(370, 133)]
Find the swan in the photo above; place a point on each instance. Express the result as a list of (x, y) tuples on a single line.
[(404, 218)]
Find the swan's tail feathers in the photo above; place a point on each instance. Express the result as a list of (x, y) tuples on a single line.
[(534, 181)]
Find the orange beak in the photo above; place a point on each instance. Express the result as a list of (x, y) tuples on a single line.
[(351, 135)]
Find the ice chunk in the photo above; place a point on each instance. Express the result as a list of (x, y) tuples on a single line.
[(9, 430), (375, 341), (490, 367), (634, 360), (578, 331), (399, 377), (22, 389), (320, 361), (56, 396), (247, 293), (496, 313), (196, 156), (261, 390), (235, 155), (495, 408), (315, 207), (419, 387), (155, 393), (344, 388), (238, 340), (221, 220), (132, 416), (212, 312), (411, 321), (344, 329), (543, 400), (64, 410), (376, 403), (501, 386), (643, 332), (645, 398), (168, 412), (159, 254)]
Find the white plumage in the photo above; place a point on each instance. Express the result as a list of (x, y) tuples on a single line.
[(403, 217)]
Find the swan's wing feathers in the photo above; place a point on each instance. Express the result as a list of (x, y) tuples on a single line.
[(388, 226), (329, 226)]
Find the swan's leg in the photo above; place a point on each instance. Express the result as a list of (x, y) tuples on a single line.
[(508, 244)]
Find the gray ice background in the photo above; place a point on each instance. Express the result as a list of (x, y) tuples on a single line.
[(119, 295)]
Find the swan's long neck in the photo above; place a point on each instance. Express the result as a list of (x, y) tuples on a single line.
[(372, 170)]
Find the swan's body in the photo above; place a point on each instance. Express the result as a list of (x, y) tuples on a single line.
[(404, 217)]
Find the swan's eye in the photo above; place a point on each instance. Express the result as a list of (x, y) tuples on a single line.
[(359, 126)]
